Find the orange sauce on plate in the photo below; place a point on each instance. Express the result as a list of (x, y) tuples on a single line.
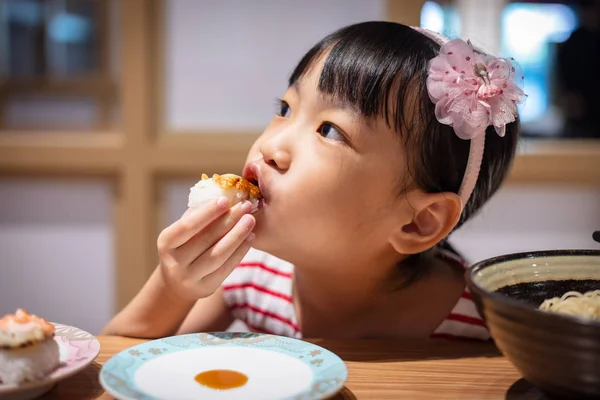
[(221, 379)]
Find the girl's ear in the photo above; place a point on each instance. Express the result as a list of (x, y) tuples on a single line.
[(434, 216)]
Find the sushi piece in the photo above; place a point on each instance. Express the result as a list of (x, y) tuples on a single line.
[(234, 187), (28, 351)]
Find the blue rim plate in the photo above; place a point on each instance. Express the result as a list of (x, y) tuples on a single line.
[(277, 368)]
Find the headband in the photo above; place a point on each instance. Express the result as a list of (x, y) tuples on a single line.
[(472, 90)]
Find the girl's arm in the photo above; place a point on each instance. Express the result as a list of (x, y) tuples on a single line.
[(208, 315), (155, 313)]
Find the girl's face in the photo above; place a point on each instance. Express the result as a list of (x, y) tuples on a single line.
[(329, 177)]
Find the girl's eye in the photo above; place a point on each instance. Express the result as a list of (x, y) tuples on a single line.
[(283, 109), (331, 132)]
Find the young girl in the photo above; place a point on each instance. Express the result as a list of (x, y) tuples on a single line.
[(387, 139)]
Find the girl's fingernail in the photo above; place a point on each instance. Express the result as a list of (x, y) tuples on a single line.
[(246, 207), (250, 238), (222, 202), (247, 220)]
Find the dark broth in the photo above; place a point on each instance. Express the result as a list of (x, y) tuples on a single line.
[(536, 292)]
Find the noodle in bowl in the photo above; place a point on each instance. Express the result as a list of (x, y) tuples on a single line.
[(543, 312), (575, 303)]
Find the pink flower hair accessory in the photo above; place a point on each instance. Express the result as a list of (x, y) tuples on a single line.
[(472, 90)]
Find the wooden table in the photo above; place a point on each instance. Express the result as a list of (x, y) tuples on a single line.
[(378, 369)]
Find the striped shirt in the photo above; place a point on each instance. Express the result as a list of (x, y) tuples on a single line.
[(259, 293)]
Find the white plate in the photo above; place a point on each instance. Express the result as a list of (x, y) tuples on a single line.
[(77, 350), (277, 368)]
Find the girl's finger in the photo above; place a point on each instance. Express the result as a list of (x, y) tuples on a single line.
[(221, 251), (216, 278), (191, 223), (207, 238)]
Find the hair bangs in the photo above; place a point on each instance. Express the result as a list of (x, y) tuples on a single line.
[(379, 72)]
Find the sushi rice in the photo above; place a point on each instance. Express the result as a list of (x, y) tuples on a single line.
[(233, 187), (28, 351)]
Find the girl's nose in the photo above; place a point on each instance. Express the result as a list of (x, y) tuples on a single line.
[(276, 151), (279, 159)]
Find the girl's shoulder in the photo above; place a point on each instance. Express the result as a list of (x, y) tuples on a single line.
[(464, 321)]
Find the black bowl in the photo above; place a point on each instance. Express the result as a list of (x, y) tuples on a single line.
[(560, 354)]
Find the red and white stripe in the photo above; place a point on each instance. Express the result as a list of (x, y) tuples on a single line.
[(259, 293), (464, 321)]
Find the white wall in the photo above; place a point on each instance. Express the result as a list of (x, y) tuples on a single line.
[(47, 113), (224, 68), (526, 218), (56, 250), (480, 22)]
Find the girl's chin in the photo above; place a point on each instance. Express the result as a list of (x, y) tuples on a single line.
[(262, 245), (264, 240)]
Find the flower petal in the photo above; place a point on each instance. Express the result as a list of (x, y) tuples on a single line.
[(500, 130), (503, 112), (442, 112), (466, 131), (437, 89), (460, 56), (500, 71)]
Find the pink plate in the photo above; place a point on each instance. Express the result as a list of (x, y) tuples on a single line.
[(77, 350)]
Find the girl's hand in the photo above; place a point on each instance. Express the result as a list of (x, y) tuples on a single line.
[(200, 250)]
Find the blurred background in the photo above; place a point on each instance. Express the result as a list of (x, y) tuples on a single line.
[(111, 109)]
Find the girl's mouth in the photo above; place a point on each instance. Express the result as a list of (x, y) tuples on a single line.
[(252, 174)]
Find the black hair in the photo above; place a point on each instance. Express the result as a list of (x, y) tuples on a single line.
[(380, 68)]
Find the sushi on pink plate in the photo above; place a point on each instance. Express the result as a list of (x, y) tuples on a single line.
[(28, 351), (36, 354)]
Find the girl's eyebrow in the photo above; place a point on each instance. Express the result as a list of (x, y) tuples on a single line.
[(331, 103)]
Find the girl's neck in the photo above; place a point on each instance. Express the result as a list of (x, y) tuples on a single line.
[(361, 301)]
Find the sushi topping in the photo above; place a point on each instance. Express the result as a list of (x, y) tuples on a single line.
[(230, 181), (22, 328)]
